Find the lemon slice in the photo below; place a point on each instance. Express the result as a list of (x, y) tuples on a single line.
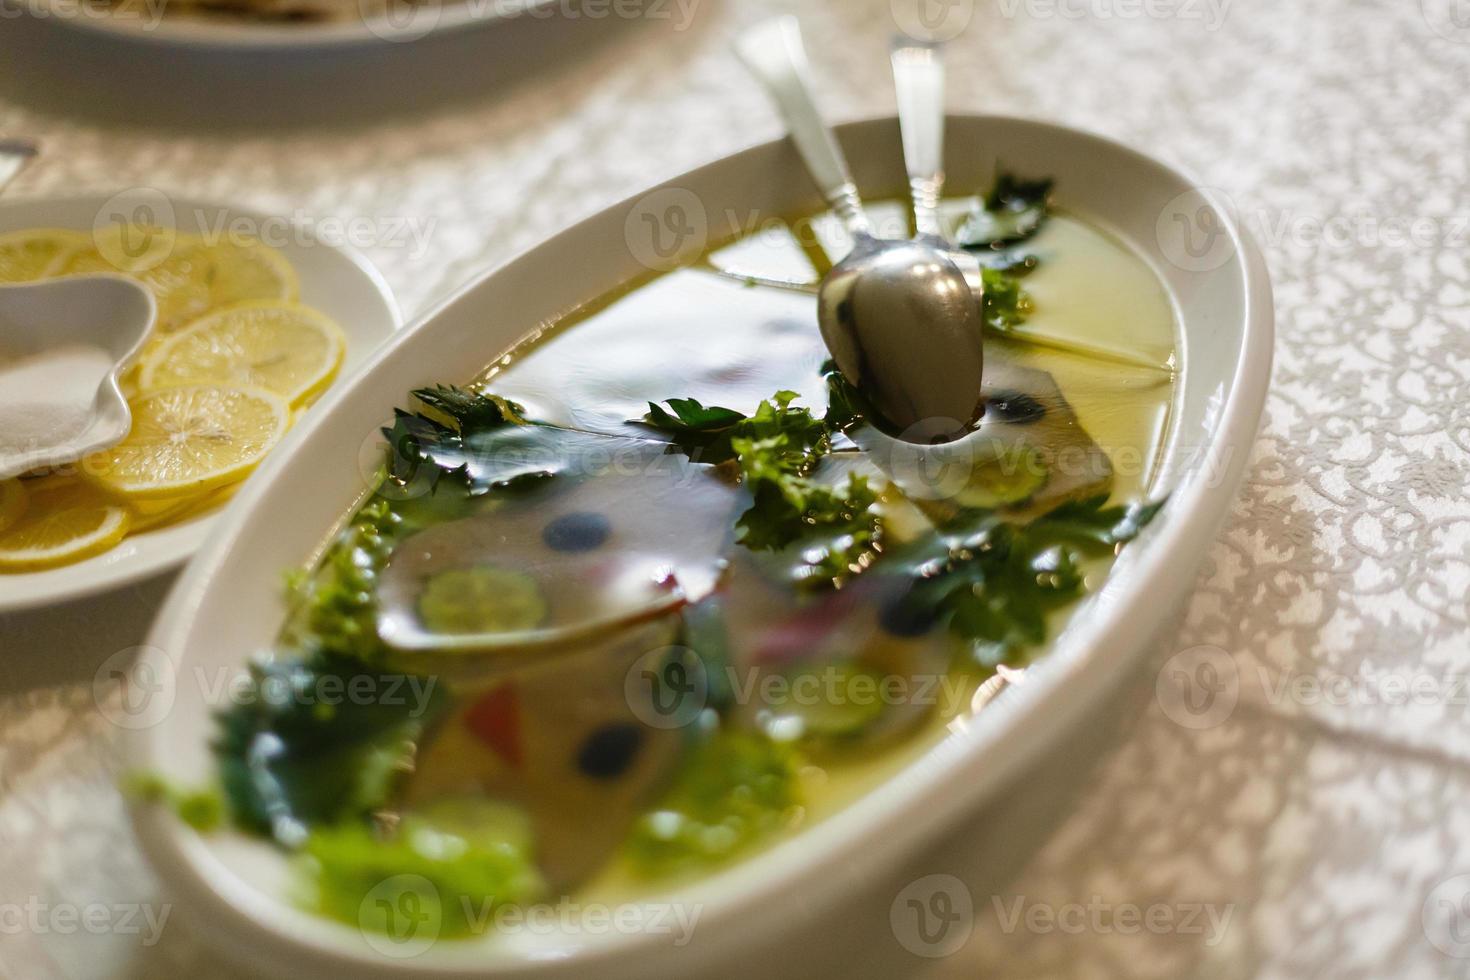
[(131, 250), (282, 347), (64, 522), (188, 275), (29, 255), (219, 498), (201, 277), (249, 269), (12, 502), (148, 514), (190, 440)]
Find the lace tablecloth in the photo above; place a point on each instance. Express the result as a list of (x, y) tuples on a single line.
[(1311, 822)]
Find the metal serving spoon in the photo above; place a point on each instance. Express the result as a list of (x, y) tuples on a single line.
[(899, 317)]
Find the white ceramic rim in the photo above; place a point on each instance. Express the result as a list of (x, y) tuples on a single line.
[(743, 901), (101, 573)]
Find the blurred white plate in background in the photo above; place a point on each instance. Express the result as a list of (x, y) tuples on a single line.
[(336, 280), (360, 23)]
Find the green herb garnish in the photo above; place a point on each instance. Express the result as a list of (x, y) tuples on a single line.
[(846, 406), (1005, 304), (334, 608), (791, 438), (1013, 211), (318, 741), (837, 528), (475, 440), (466, 409), (734, 789), (777, 449), (701, 433), (995, 582), (202, 809), (441, 873), (707, 433)]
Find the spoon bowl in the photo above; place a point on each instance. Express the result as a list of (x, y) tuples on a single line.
[(904, 328), (63, 344)]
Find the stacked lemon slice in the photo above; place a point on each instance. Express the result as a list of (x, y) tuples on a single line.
[(59, 520), (188, 275), (232, 360), (29, 255)]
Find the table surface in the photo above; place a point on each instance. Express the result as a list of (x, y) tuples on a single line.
[(1316, 826)]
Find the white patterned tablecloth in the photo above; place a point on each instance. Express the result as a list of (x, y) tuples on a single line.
[(1319, 827)]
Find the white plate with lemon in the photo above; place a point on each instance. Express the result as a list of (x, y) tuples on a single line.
[(256, 319)]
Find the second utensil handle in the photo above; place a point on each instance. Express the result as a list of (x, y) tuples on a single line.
[(918, 78), (773, 52)]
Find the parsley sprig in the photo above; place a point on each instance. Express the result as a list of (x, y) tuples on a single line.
[(995, 583), (1005, 304), (994, 232), (476, 440), (701, 432), (777, 450)]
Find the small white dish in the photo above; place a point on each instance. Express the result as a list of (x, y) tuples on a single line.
[(228, 603), (108, 316), (338, 281)]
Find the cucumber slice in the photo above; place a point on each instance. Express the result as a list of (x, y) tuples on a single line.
[(482, 599), (1007, 476), (830, 701)]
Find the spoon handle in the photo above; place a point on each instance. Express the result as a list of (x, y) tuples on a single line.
[(773, 52), (15, 154), (918, 76)]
